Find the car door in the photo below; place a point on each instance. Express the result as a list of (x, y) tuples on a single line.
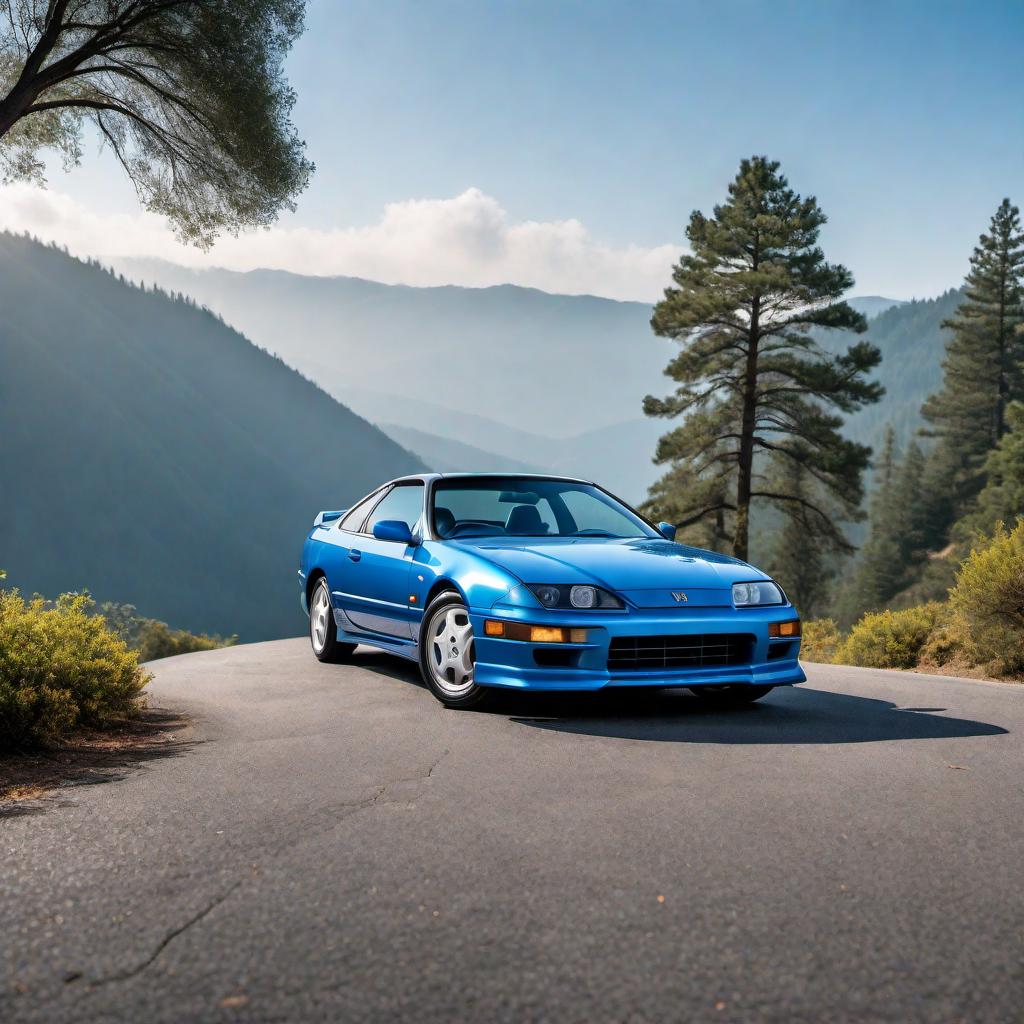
[(376, 596)]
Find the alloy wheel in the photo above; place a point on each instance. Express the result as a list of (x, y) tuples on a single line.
[(319, 618), (451, 653)]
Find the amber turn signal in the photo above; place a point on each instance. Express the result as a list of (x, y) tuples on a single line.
[(784, 629), (535, 634)]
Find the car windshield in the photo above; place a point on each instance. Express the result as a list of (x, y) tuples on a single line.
[(525, 507)]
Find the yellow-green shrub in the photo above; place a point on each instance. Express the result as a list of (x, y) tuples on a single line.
[(889, 639), (989, 597), (821, 637), (949, 645), (154, 639), (61, 667)]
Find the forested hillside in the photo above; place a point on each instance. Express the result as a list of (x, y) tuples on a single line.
[(932, 502), (155, 456), (912, 341)]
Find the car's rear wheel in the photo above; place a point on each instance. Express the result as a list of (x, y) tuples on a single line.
[(728, 696), (448, 653), (323, 632)]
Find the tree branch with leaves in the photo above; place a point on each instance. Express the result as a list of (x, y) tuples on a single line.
[(189, 95)]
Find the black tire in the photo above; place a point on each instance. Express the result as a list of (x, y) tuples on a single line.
[(456, 690), (323, 633), (730, 696)]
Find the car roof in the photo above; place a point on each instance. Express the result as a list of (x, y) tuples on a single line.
[(429, 477)]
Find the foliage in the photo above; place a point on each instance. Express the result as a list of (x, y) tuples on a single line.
[(894, 551), (949, 647), (61, 667), (982, 368), (889, 639), (682, 488), (804, 557), (821, 637), (989, 596), (190, 96), (751, 380), (933, 581), (1002, 497), (877, 571), (153, 639)]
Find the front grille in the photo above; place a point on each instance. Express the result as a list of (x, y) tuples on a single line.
[(693, 650)]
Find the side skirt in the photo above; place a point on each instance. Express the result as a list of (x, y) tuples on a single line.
[(408, 649)]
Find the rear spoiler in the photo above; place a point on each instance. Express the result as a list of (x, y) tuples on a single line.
[(328, 517)]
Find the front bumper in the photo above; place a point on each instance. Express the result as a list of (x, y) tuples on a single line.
[(514, 663)]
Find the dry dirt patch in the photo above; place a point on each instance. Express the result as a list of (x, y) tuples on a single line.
[(91, 757)]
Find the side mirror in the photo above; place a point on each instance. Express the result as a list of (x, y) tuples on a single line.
[(667, 530), (394, 530)]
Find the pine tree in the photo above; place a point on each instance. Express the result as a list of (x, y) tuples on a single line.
[(804, 557), (982, 368), (673, 495), (1002, 498), (878, 573), (751, 381), (912, 522)]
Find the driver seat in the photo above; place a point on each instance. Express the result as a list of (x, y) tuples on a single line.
[(525, 519), (444, 521)]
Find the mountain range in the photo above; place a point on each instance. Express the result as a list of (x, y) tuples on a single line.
[(153, 455), (520, 376)]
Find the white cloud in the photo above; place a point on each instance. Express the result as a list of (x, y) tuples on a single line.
[(466, 240)]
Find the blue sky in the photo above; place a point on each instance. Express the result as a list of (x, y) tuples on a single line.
[(905, 119)]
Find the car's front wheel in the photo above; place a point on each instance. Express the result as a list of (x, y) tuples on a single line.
[(323, 632), (729, 696), (448, 653)]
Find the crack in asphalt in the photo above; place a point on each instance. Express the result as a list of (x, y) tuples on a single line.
[(422, 775), (380, 791), (352, 808), (132, 972)]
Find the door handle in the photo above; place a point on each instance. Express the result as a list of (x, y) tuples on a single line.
[(354, 554)]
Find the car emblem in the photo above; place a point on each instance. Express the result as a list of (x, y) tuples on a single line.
[(679, 597)]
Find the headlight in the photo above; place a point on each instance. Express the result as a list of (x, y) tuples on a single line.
[(581, 598), (747, 595)]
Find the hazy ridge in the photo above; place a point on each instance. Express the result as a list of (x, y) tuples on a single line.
[(554, 381), (155, 456)]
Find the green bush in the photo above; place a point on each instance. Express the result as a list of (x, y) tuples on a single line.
[(154, 639), (821, 637), (61, 667), (989, 598), (889, 639), (950, 648)]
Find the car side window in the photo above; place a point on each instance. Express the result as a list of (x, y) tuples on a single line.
[(354, 519), (404, 502)]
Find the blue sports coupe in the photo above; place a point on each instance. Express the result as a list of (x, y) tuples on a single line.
[(539, 583)]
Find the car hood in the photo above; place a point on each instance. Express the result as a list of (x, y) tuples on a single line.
[(646, 570)]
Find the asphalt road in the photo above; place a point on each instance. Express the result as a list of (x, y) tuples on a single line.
[(331, 844)]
